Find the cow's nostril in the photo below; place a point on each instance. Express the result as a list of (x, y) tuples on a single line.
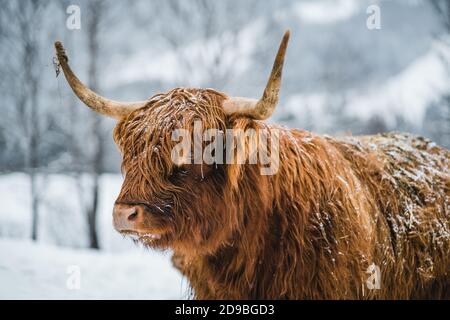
[(133, 216), (125, 217)]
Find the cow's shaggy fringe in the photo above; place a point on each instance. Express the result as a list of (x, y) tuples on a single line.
[(311, 231)]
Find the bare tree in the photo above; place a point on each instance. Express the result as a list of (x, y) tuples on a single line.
[(21, 22), (89, 157), (343, 67), (440, 126), (442, 8), (96, 11)]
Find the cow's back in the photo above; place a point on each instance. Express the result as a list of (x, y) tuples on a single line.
[(409, 178)]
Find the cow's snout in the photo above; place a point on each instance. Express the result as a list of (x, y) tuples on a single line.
[(127, 218)]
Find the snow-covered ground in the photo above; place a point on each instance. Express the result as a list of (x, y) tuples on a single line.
[(52, 268), (38, 271)]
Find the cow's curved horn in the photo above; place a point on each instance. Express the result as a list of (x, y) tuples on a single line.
[(263, 108), (110, 108)]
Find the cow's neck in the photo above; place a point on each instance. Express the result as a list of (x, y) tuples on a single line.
[(243, 269)]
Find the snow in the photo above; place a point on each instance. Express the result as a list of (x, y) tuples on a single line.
[(38, 271), (15, 201), (121, 270), (325, 12), (424, 81), (414, 89), (165, 66)]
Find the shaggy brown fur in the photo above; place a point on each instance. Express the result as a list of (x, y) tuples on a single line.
[(309, 232)]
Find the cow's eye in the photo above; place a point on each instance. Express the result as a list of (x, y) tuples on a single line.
[(178, 173)]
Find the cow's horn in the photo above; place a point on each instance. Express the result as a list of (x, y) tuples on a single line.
[(263, 108), (113, 109)]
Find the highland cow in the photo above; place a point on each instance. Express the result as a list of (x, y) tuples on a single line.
[(337, 212)]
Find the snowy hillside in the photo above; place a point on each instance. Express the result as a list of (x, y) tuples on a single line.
[(420, 84), (413, 89)]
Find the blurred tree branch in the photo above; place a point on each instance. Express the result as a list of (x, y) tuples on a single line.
[(19, 32), (441, 124), (442, 8)]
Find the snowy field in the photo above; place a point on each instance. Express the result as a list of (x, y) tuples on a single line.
[(46, 270)]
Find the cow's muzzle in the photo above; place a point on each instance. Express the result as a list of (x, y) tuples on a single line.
[(127, 218), (132, 220)]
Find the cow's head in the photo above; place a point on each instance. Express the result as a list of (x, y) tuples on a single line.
[(162, 203)]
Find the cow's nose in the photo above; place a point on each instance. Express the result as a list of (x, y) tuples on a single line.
[(127, 218)]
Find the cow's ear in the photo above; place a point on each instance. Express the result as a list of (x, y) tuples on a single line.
[(247, 178), (239, 155)]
